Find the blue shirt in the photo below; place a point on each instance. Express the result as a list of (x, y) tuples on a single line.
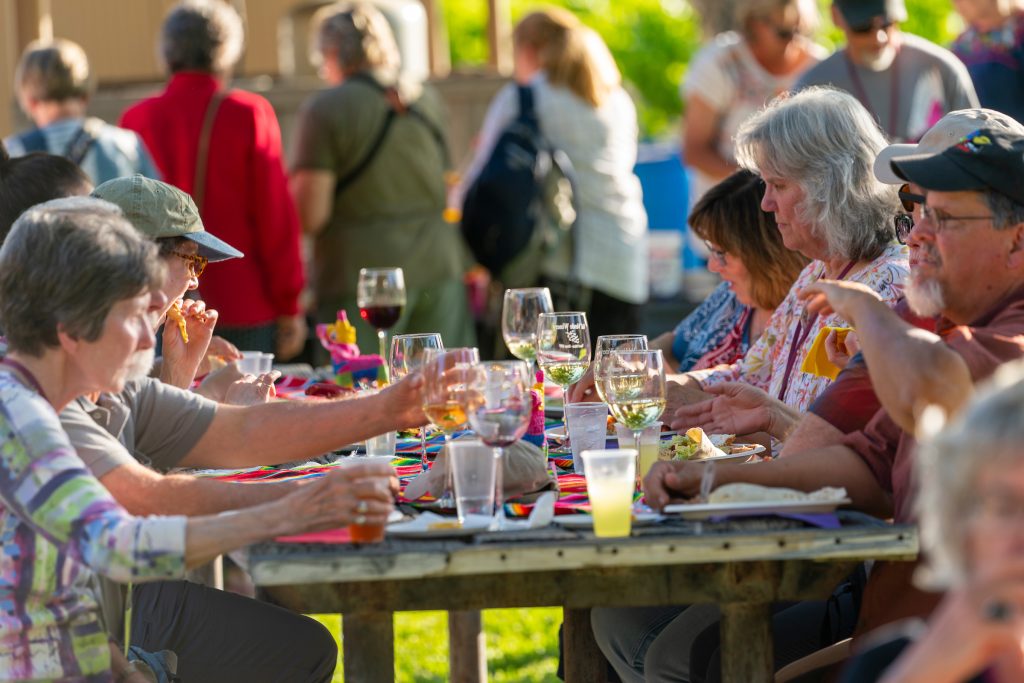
[(707, 326)]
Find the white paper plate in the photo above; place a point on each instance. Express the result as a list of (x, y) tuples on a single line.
[(420, 527), (705, 510), (559, 433), (587, 521)]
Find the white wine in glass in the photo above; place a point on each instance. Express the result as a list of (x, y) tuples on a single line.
[(563, 349), (613, 342), (408, 351), (380, 296), (634, 384), (519, 320)]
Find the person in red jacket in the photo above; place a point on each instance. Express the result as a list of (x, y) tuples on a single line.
[(241, 189)]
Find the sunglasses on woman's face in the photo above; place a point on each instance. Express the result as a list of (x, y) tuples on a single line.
[(908, 199)]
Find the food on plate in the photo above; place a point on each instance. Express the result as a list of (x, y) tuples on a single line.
[(328, 390), (696, 445), (444, 524), (754, 493), (175, 315)]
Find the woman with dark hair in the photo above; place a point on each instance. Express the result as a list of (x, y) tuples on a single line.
[(757, 269), (35, 178)]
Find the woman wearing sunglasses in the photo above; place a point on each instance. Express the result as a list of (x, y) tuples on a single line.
[(737, 73)]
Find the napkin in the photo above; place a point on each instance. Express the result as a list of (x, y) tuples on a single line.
[(816, 362), (541, 515)]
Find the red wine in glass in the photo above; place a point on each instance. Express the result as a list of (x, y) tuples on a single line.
[(381, 317)]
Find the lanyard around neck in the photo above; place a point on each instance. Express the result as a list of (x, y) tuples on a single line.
[(860, 92), (26, 375)]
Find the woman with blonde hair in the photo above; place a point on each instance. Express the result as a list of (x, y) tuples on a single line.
[(584, 112), (737, 73)]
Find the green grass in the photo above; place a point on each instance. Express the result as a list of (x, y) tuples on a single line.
[(522, 645)]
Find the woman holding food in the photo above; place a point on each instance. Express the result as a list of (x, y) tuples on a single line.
[(757, 272)]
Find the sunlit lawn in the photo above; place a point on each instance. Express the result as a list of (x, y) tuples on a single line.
[(522, 645)]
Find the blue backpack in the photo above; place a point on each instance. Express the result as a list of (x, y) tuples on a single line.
[(521, 208)]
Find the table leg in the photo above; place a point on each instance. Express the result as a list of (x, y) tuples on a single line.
[(746, 633), (584, 661), (368, 642), (467, 650)]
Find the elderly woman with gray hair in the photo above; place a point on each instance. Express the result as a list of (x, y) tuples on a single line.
[(90, 330), (368, 175), (971, 508), (815, 151)]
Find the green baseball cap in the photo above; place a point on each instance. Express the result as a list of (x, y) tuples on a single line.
[(160, 210)]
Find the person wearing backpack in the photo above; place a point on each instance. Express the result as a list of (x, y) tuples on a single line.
[(53, 85), (368, 175), (582, 111)]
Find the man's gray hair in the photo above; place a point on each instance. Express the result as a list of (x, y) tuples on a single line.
[(358, 34), (988, 433), (823, 140), (64, 265), (1006, 212), (202, 35)]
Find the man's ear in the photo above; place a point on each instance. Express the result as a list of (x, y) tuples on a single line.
[(1015, 257)]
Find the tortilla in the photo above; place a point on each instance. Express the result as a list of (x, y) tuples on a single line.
[(174, 314), (754, 493)]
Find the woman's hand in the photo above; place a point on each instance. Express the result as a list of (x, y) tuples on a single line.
[(403, 401), (180, 360), (291, 336), (975, 626), (672, 480), (362, 491), (840, 352), (841, 297), (583, 390), (736, 408)]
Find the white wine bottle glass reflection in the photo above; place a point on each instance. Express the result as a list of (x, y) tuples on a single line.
[(634, 387), (380, 296), (613, 342), (499, 412), (563, 349), (519, 320), (446, 377), (408, 351)]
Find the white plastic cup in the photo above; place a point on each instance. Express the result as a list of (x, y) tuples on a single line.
[(381, 445), (611, 481), (266, 362), (250, 362), (473, 469), (588, 430), (650, 443)]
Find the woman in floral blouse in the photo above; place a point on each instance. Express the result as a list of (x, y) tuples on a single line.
[(815, 152)]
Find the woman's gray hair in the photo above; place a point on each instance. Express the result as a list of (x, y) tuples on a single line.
[(202, 35), (823, 140), (989, 432), (64, 265), (358, 34)]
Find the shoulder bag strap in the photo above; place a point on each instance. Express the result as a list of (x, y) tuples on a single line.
[(83, 140), (33, 141), (203, 150)]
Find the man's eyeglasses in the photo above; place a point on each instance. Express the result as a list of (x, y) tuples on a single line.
[(875, 25), (716, 253), (197, 263)]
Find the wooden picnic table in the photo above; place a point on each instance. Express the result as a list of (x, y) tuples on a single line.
[(742, 565)]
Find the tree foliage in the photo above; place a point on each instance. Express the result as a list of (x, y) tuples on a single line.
[(654, 40)]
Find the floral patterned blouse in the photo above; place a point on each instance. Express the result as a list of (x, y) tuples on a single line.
[(764, 366)]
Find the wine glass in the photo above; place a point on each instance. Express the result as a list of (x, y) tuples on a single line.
[(519, 320), (613, 342), (446, 376), (563, 350), (380, 295), (634, 388), (408, 351), (499, 413)]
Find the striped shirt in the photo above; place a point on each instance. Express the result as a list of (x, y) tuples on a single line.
[(58, 525)]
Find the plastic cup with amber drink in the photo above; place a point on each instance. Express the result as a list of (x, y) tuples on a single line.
[(360, 530)]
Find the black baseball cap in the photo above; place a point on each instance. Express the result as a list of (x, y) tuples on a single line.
[(987, 159), (860, 13)]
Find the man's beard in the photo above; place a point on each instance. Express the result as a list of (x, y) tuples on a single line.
[(925, 296), (140, 364), (881, 60)]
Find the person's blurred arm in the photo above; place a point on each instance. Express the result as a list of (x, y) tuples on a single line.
[(314, 197), (701, 129)]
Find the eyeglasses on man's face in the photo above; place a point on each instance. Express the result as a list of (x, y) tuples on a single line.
[(196, 263), (876, 24)]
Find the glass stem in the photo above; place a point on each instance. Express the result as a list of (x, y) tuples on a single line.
[(565, 415), (447, 499), (424, 461), (636, 442), (382, 336), (499, 487)]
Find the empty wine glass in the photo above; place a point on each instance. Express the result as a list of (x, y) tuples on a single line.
[(380, 295), (519, 320), (408, 351), (613, 342), (634, 388), (499, 412), (446, 377)]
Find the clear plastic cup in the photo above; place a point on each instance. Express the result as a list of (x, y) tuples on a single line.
[(611, 481), (588, 430), (250, 363), (473, 469), (382, 444), (266, 362), (650, 443)]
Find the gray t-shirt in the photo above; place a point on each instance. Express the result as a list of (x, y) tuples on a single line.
[(149, 422), (928, 81)]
